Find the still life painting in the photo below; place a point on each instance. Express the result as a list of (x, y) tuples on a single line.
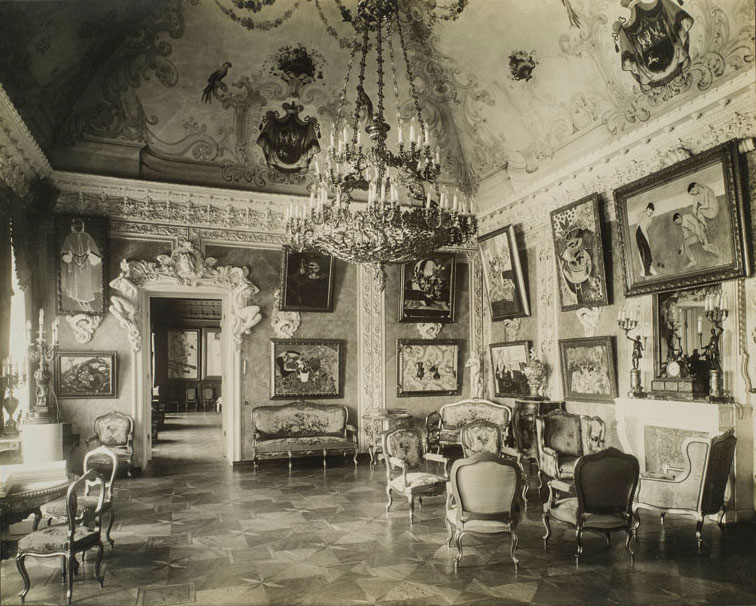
[(508, 361), (85, 374), (588, 371), (507, 292), (428, 289), (305, 368), (183, 354), (428, 367)]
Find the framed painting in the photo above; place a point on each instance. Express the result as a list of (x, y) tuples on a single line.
[(579, 254), (183, 353), (86, 374), (305, 368), (428, 289), (507, 292), (507, 362), (212, 353), (588, 369), (683, 226), (306, 281), (428, 368), (81, 256)]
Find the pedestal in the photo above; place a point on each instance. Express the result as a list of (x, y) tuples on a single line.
[(42, 442)]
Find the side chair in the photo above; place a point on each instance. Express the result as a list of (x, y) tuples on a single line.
[(116, 431)]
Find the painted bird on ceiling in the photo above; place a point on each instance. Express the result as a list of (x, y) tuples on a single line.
[(214, 81)]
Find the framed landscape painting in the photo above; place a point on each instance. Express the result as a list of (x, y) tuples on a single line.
[(183, 353), (507, 292), (579, 254), (306, 281), (86, 374), (507, 360), (683, 226), (428, 368), (428, 289), (588, 369), (305, 368), (81, 262)]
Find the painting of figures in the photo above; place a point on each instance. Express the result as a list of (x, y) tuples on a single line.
[(507, 293), (588, 371), (507, 361), (579, 254), (183, 354), (305, 368), (427, 368), (682, 226)]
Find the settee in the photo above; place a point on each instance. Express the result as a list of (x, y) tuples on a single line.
[(302, 429), (443, 426)]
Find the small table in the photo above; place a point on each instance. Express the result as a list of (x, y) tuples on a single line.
[(379, 422)]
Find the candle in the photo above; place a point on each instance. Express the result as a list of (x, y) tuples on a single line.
[(359, 137), (400, 132), (428, 200), (412, 131), (28, 332), (700, 325), (425, 137), (55, 331), (41, 319), (332, 138)]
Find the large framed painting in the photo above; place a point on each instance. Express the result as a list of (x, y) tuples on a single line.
[(588, 369), (579, 254), (212, 353), (86, 374), (507, 362), (428, 289), (183, 353), (683, 226), (507, 292), (428, 368), (305, 368), (306, 281), (81, 262)]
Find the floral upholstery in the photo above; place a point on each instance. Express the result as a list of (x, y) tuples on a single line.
[(567, 512), (53, 538), (405, 445), (562, 433), (443, 427), (480, 436), (418, 480), (305, 443), (114, 429)]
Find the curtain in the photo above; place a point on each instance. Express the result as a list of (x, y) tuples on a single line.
[(6, 279)]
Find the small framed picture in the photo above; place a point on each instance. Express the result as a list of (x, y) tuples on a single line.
[(86, 374), (507, 362), (183, 353), (428, 289), (428, 368), (306, 281), (212, 353), (507, 292), (305, 368), (588, 369), (81, 255)]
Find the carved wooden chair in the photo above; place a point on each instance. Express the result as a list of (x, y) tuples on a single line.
[(699, 489), (484, 500), (116, 431), (66, 540), (403, 449), (604, 484)]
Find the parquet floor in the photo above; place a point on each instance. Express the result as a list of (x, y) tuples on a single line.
[(193, 531)]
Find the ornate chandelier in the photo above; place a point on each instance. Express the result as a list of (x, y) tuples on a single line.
[(408, 215)]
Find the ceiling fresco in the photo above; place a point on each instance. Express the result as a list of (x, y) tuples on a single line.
[(201, 91)]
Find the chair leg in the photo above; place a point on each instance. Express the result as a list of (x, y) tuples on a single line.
[(450, 529), (354, 458), (411, 500), (525, 488), (608, 536), (69, 578), (100, 577), (629, 540), (37, 518), (390, 499), (637, 523), (545, 518), (458, 557), (579, 539), (63, 569), (289, 461), (720, 518), (110, 526), (661, 517), (515, 541), (21, 565), (699, 537), (540, 480)]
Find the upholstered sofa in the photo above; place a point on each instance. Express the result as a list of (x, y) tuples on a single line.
[(443, 427), (301, 429)]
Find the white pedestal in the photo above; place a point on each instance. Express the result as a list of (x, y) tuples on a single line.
[(42, 442)]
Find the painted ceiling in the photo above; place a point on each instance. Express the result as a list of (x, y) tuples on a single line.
[(520, 86)]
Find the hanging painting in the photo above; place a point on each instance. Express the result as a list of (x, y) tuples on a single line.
[(85, 374), (508, 361), (183, 353), (653, 42), (305, 368), (579, 254), (507, 293), (81, 256), (212, 353), (588, 371), (306, 281), (426, 368), (683, 226), (428, 289)]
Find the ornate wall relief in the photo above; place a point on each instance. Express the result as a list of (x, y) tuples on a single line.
[(589, 317), (511, 328), (284, 323), (429, 330), (83, 326)]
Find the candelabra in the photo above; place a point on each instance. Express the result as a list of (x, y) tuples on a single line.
[(716, 312), (627, 320), (41, 352), (12, 376)]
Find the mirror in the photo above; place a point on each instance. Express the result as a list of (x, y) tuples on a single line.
[(681, 328)]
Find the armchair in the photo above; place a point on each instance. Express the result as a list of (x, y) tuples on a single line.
[(403, 449), (561, 439), (604, 483), (484, 500), (699, 490), (116, 431)]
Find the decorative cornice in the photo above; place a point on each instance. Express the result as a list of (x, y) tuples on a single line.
[(21, 158)]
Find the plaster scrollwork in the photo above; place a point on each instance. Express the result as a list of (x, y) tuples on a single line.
[(511, 328), (284, 323), (429, 330), (83, 326), (589, 317), (185, 266)]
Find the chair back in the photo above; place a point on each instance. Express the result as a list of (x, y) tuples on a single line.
[(562, 432), (605, 482), (480, 436), (486, 487), (114, 429), (102, 451), (91, 477), (405, 444), (191, 394), (717, 471)]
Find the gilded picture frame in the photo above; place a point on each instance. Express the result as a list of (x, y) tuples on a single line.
[(506, 364), (428, 367), (306, 281), (86, 374), (589, 371), (306, 368), (502, 272)]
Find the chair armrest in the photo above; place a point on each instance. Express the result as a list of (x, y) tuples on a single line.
[(350, 429), (91, 439), (560, 485), (396, 462), (548, 461), (438, 458)]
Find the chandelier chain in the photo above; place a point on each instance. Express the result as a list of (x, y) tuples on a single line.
[(342, 96), (411, 78), (392, 62), (379, 61)]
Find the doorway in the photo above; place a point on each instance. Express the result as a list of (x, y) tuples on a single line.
[(186, 359)]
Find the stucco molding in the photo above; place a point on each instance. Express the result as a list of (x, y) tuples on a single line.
[(83, 326), (589, 317), (372, 360), (21, 158)]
